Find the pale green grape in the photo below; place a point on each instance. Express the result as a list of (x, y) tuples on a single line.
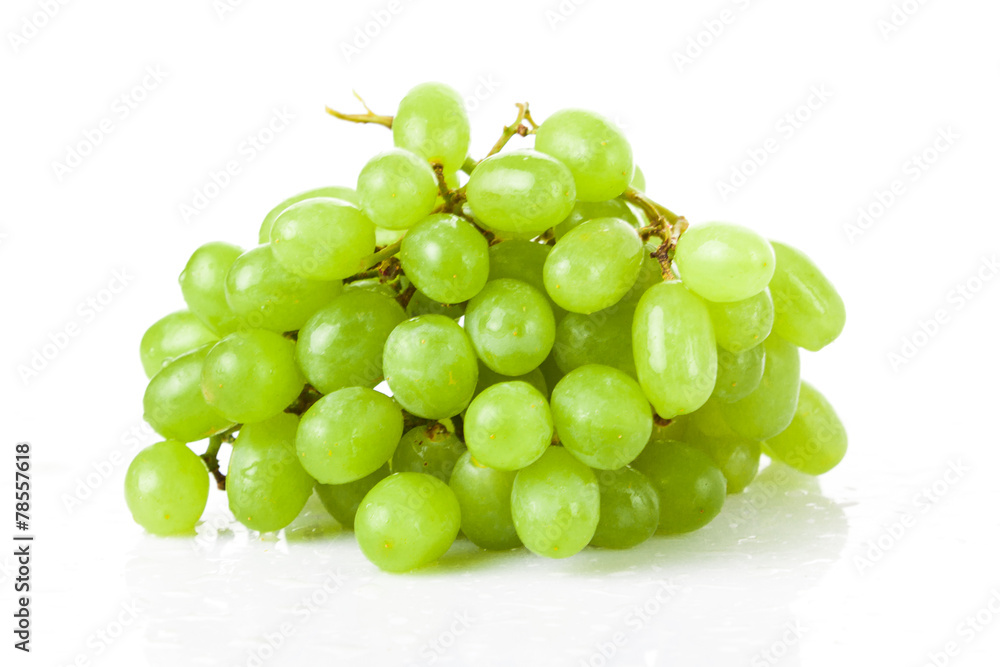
[(174, 405), (594, 265), (430, 449), (323, 239), (421, 304), (741, 325), (674, 349), (166, 488), (639, 180), (264, 295), (768, 410), (630, 509), (584, 211), (430, 365), (738, 374), (250, 376), (807, 309), (432, 122), (689, 484), (511, 326), (348, 434), (397, 189), (723, 262), (602, 416), (815, 441), (341, 345), (172, 336), (203, 284), (738, 457), (483, 495), (332, 192), (407, 520), (521, 191), (604, 337), (556, 504), (446, 258), (593, 147), (342, 500), (508, 426), (489, 377), (265, 483)]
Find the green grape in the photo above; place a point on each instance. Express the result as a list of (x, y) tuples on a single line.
[(323, 239), (556, 504), (551, 372), (594, 265), (265, 483), (689, 484), (604, 337), (384, 237), (330, 351), (166, 488), (584, 211), (174, 405), (815, 441), (203, 284), (446, 258), (594, 148), (430, 365), (430, 449), (508, 426), (488, 378), (432, 122), (250, 376), (639, 180), (521, 191), (421, 304), (768, 409), (348, 434), (723, 262), (511, 326), (266, 296), (170, 337), (674, 349), (342, 500), (671, 429), (807, 309), (483, 495), (738, 374), (736, 456), (397, 189), (407, 520), (741, 325), (602, 416), (630, 509), (333, 192)]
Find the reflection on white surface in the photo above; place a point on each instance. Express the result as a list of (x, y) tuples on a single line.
[(727, 592)]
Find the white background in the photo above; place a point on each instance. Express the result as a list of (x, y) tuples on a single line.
[(856, 568)]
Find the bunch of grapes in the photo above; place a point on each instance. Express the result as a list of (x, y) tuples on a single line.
[(567, 362)]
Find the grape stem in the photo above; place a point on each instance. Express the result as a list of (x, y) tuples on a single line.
[(383, 254), (659, 215), (368, 117), (211, 455), (517, 127), (452, 198)]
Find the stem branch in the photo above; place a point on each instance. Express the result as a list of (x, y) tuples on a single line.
[(368, 117)]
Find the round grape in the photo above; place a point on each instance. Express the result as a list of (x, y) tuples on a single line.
[(724, 262), (407, 520), (429, 449), (432, 122), (166, 488), (172, 336), (203, 284), (323, 239), (815, 441), (690, 486), (741, 325), (508, 426), (348, 434), (483, 494), (808, 311), (446, 258), (332, 192), (630, 509), (511, 326), (174, 405), (397, 189)]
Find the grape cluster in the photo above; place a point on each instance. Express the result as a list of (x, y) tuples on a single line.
[(569, 363)]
